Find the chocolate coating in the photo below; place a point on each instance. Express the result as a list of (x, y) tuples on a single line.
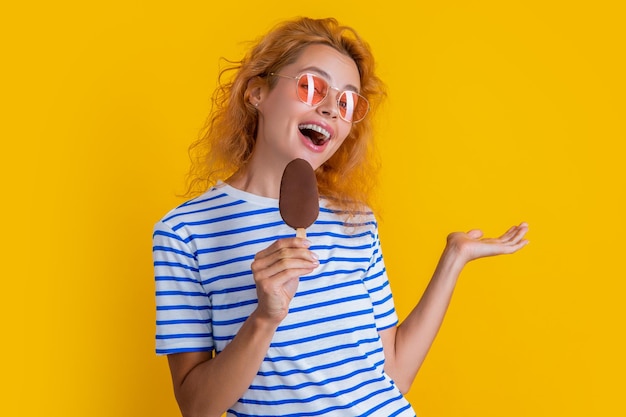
[(299, 199)]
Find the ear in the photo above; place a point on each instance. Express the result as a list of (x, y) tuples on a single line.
[(255, 90)]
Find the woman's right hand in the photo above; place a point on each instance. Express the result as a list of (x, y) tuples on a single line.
[(276, 271)]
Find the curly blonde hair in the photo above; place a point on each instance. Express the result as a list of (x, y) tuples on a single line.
[(349, 177)]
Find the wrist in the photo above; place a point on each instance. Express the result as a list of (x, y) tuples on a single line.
[(452, 259), (263, 322)]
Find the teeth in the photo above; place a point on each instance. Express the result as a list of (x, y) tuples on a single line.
[(316, 128)]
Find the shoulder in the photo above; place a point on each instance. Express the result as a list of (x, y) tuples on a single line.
[(197, 208), (357, 216)]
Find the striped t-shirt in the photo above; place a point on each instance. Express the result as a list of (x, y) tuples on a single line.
[(326, 358)]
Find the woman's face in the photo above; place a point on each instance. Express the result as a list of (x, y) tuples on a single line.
[(290, 128)]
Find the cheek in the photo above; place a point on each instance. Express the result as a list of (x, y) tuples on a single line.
[(274, 103), (284, 97), (344, 131), (340, 140)]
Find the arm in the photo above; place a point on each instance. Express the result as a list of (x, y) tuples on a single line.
[(406, 346), (206, 386)]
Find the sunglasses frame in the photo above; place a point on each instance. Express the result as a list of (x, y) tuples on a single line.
[(341, 92)]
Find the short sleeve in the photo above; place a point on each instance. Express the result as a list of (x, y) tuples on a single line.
[(183, 310), (377, 284)]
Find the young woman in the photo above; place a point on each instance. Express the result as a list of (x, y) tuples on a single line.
[(256, 321)]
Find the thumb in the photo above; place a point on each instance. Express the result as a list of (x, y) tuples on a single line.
[(475, 234)]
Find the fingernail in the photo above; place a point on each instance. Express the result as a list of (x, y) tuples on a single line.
[(306, 243), (314, 256)]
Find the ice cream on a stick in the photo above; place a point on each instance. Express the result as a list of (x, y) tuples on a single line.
[(299, 199)]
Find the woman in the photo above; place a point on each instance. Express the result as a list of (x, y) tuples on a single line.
[(257, 321)]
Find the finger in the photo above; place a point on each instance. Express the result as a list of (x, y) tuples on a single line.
[(284, 259), (289, 263), (282, 281), (514, 247), (515, 233), (508, 234), (519, 234), (280, 244), (282, 278)]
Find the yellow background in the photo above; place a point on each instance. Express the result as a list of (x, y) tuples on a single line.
[(499, 112)]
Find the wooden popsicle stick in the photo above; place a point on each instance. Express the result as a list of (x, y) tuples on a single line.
[(301, 232)]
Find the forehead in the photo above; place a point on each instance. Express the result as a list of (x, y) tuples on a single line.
[(337, 67)]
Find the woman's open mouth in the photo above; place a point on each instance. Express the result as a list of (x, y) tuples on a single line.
[(316, 134)]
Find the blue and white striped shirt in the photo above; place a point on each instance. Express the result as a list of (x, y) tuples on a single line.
[(326, 358)]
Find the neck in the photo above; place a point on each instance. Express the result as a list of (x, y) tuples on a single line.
[(261, 179)]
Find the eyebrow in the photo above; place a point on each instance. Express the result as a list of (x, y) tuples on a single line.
[(327, 76)]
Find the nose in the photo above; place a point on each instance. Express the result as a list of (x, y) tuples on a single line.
[(328, 107)]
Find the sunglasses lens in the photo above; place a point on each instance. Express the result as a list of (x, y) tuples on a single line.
[(312, 89), (352, 106)]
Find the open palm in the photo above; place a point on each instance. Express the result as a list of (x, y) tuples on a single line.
[(472, 245)]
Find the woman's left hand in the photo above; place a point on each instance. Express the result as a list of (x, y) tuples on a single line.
[(471, 245)]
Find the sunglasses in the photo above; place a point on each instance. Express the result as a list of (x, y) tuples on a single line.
[(313, 89)]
